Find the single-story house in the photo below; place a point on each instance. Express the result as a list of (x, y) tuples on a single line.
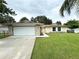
[(33, 29), (36, 29)]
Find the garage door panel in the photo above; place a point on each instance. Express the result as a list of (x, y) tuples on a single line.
[(24, 31)]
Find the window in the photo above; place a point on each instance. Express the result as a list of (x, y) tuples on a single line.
[(59, 28), (54, 28)]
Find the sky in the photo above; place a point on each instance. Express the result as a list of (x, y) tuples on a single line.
[(33, 8)]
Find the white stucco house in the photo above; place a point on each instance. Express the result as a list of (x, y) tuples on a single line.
[(29, 29), (47, 28), (33, 29)]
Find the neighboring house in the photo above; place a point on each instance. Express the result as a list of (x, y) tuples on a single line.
[(76, 30), (33, 29), (3, 29)]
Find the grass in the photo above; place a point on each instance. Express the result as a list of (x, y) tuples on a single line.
[(57, 46)]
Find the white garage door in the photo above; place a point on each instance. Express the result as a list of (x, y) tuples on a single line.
[(24, 30)]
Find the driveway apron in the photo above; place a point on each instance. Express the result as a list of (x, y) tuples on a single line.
[(16, 47)]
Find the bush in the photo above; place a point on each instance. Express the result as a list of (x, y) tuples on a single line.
[(70, 31), (4, 35)]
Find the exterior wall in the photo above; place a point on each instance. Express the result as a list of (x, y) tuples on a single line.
[(43, 30), (10, 30), (47, 29), (37, 30), (64, 29), (56, 29)]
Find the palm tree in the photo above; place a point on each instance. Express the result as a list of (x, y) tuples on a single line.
[(67, 6)]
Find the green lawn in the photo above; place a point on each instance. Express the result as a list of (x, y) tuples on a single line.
[(57, 46)]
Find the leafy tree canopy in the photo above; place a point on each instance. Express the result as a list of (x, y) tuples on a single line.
[(59, 23), (32, 19), (42, 19), (72, 24), (7, 19), (24, 19), (4, 10)]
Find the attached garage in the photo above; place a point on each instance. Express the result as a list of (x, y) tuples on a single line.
[(28, 29), (24, 30)]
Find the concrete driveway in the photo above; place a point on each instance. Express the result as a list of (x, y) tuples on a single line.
[(16, 47)]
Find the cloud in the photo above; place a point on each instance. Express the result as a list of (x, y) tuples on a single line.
[(33, 6), (30, 8)]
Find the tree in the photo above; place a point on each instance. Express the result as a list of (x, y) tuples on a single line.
[(72, 24), (24, 19), (48, 22), (42, 19), (32, 19), (5, 11), (67, 6), (58, 23), (7, 19)]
